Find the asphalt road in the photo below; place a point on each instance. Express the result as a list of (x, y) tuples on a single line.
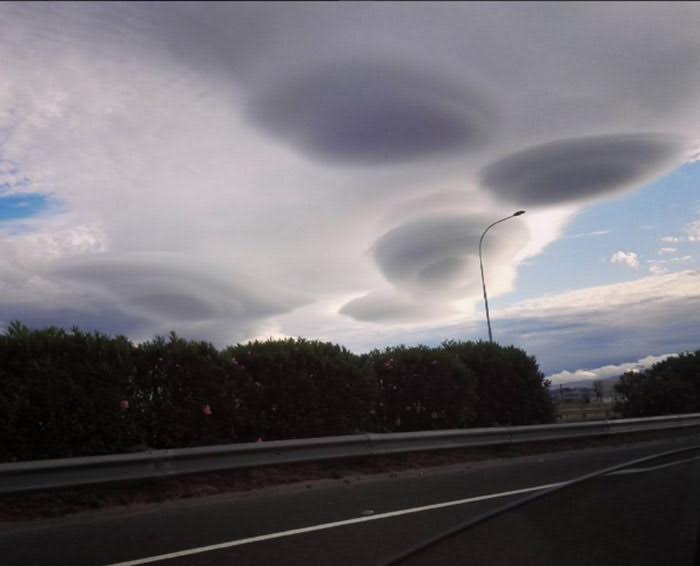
[(648, 515)]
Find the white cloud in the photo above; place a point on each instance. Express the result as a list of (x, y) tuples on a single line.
[(693, 155), (656, 269), (588, 234), (601, 325), (663, 251), (630, 259), (670, 239), (674, 286), (682, 258), (693, 231), (607, 371)]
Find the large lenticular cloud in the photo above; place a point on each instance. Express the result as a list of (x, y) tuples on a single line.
[(440, 253), (574, 170), (433, 260), (369, 111)]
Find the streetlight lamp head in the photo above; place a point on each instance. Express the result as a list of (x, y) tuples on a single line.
[(519, 213)]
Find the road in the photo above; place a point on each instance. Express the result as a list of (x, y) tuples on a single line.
[(648, 515)]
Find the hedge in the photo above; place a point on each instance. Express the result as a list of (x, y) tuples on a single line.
[(72, 393), (422, 388), (305, 388)]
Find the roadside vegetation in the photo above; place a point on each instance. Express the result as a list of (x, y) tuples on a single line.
[(66, 393), (668, 387)]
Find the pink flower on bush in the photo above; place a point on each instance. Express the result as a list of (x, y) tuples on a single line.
[(123, 404), (206, 409)]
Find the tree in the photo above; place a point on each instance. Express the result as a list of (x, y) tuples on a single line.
[(510, 386), (670, 386)]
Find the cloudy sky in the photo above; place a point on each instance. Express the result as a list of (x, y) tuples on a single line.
[(232, 171)]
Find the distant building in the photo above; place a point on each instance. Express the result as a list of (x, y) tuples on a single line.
[(604, 391), (563, 394), (601, 391), (585, 403)]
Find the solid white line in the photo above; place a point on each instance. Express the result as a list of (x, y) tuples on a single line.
[(332, 525), (652, 468)]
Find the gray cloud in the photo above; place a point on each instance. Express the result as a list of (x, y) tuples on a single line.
[(604, 337), (581, 168), (593, 327), (370, 111), (102, 319), (392, 307), (610, 324), (171, 286), (147, 293), (440, 252), (432, 261)]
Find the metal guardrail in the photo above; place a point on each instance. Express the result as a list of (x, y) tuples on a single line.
[(92, 470)]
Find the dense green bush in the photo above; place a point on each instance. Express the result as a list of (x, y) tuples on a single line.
[(71, 393), (511, 389), (422, 388), (61, 393), (187, 394), (305, 388), (668, 387)]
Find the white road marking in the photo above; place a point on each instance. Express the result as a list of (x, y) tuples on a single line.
[(364, 519), (324, 526), (651, 468)]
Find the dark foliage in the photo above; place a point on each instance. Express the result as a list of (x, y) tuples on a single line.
[(305, 388), (61, 393), (422, 388), (510, 386), (668, 387), (188, 394), (71, 393)]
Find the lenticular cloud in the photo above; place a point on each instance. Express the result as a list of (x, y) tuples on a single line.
[(574, 170), (369, 111)]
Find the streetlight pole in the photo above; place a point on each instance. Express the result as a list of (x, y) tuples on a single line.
[(481, 265)]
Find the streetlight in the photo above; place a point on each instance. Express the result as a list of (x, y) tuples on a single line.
[(481, 265)]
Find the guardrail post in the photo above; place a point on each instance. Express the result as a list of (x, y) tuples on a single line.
[(370, 444)]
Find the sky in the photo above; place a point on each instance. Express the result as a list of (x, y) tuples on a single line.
[(232, 171)]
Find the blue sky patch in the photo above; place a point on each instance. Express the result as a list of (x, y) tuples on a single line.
[(636, 222), (22, 206)]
